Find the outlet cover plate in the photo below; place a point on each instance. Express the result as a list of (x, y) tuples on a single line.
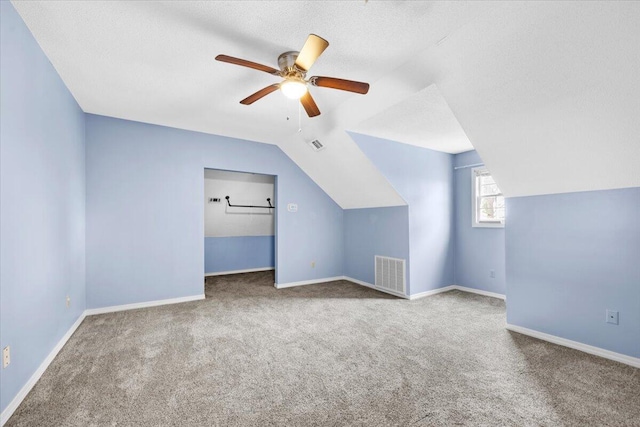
[(612, 317), (6, 356)]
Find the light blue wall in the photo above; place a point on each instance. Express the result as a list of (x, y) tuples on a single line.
[(42, 199), (238, 253), (145, 211), (424, 178), (569, 258), (370, 232), (477, 250)]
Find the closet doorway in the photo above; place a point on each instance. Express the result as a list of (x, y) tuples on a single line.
[(239, 222)]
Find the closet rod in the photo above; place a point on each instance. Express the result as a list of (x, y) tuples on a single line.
[(469, 166), (250, 206)]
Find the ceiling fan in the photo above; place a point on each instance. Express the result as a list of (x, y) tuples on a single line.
[(293, 69)]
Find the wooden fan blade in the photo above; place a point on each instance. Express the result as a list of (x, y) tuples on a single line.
[(260, 94), (245, 63), (312, 49), (333, 83), (309, 105)]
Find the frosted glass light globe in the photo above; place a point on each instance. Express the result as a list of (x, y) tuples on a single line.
[(293, 89)]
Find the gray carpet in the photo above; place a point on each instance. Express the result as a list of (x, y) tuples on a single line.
[(329, 354)]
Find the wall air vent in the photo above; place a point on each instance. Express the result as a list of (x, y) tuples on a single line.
[(316, 145), (390, 274)]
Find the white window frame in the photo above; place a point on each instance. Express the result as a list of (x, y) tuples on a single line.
[(474, 203)]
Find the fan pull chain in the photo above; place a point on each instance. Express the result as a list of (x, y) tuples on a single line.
[(299, 118)]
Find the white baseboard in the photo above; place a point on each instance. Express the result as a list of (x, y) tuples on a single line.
[(428, 293), (307, 282), (372, 286), (112, 309), (17, 400), (596, 351), (248, 270), (480, 292), (432, 292), (409, 297)]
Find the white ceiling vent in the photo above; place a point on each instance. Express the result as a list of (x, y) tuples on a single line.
[(316, 145), (390, 274)]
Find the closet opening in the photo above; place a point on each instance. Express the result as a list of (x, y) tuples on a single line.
[(239, 223)]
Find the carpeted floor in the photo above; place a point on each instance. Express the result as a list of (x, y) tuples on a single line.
[(330, 354)]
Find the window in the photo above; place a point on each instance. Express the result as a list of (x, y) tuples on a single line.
[(488, 201)]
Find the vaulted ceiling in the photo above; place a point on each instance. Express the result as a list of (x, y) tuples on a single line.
[(547, 92)]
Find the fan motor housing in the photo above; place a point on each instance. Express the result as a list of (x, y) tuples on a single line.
[(287, 61)]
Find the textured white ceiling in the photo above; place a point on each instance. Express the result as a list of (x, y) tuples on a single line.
[(423, 119), (547, 92), (154, 62)]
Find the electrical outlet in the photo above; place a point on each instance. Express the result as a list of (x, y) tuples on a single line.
[(6, 356), (313, 264), (492, 274), (68, 301), (612, 317)]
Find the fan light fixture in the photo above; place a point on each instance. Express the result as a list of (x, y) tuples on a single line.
[(294, 67), (293, 89)]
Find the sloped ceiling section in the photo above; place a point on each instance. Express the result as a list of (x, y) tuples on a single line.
[(547, 92), (423, 119), (343, 171)]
